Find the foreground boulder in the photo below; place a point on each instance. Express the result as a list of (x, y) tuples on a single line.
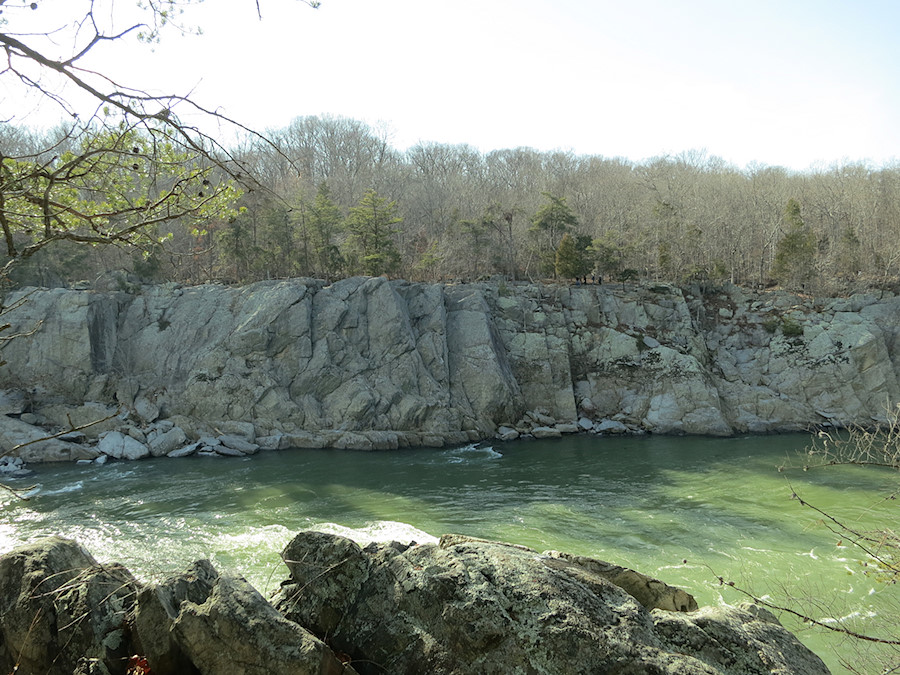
[(61, 612), (461, 606), (201, 622), (473, 606)]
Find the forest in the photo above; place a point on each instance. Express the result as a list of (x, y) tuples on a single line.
[(331, 198)]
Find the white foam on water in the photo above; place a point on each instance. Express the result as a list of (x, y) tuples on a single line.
[(255, 537), (379, 531), (857, 614), (77, 486), (473, 451)]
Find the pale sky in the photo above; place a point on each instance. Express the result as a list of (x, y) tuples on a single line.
[(794, 83)]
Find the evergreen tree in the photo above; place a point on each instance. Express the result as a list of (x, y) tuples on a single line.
[(549, 224), (370, 227), (572, 259), (324, 223), (795, 252)]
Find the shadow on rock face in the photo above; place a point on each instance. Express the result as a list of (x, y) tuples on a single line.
[(466, 605)]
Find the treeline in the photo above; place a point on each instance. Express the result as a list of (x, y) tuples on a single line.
[(335, 199)]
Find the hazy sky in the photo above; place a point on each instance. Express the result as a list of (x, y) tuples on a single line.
[(780, 82)]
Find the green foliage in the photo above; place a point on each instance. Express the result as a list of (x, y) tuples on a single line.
[(790, 327), (370, 228), (111, 185), (429, 261), (148, 265), (611, 254), (573, 260), (320, 225), (554, 217), (795, 253), (470, 244), (548, 225), (627, 275), (237, 249), (771, 324)]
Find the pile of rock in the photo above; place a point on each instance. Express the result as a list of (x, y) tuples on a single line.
[(94, 432), (13, 467), (538, 424), (463, 605), (97, 433)]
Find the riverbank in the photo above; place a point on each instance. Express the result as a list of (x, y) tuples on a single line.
[(460, 605), (681, 509), (372, 364)]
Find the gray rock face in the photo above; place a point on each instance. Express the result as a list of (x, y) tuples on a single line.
[(60, 610), (462, 606), (369, 363), (467, 606), (117, 445), (203, 622)]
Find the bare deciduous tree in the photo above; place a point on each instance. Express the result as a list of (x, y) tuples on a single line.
[(125, 164)]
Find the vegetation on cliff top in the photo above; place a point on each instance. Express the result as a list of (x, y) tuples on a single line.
[(451, 213)]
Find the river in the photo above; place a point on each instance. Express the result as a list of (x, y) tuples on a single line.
[(685, 510)]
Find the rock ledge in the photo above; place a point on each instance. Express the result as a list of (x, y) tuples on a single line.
[(463, 605)]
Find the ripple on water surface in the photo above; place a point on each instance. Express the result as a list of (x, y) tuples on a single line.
[(683, 509)]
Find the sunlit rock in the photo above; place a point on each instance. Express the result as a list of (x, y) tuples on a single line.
[(467, 605), (368, 363)]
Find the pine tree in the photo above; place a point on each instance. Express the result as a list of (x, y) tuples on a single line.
[(370, 227), (549, 224), (795, 252), (324, 222), (572, 260)]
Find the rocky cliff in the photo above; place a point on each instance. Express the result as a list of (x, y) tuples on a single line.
[(371, 363)]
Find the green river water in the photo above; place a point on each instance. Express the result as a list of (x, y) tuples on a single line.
[(682, 509)]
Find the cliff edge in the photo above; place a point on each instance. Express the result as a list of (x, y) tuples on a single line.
[(371, 363)]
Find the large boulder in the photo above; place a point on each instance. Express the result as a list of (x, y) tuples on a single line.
[(463, 605), (35, 444), (60, 611), (117, 445), (748, 638), (474, 606), (202, 622)]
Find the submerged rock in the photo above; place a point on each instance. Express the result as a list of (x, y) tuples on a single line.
[(14, 467)]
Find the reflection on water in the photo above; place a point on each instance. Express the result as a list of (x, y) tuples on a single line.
[(684, 509)]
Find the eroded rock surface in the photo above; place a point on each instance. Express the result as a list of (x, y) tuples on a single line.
[(61, 611), (368, 363), (467, 605), (461, 606)]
